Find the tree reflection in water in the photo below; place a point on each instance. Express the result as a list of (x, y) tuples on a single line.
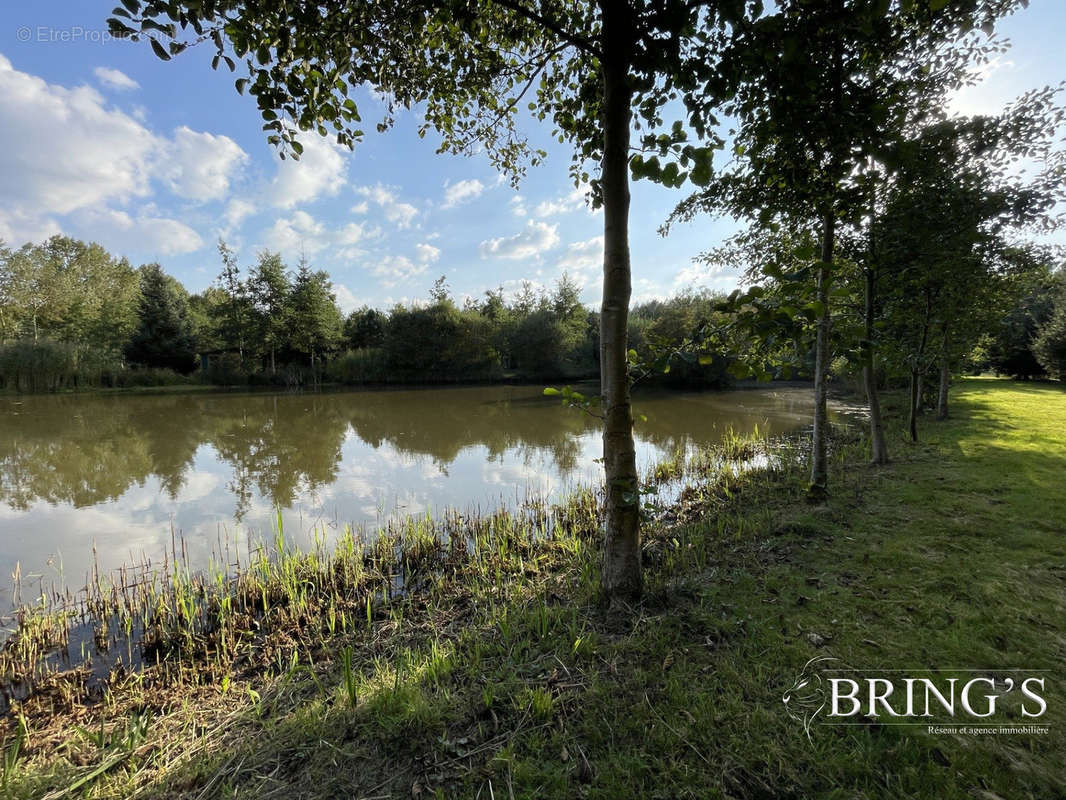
[(125, 467)]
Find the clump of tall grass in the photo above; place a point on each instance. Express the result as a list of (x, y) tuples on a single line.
[(363, 365), (281, 604), (46, 365), (187, 626)]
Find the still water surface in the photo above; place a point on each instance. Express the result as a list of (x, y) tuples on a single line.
[(123, 473)]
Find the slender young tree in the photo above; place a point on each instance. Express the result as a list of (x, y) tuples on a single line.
[(819, 87), (312, 314), (946, 234), (236, 308), (599, 71), (269, 288)]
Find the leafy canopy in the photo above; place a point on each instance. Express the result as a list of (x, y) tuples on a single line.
[(469, 65)]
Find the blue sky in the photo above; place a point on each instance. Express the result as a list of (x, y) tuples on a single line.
[(156, 161)]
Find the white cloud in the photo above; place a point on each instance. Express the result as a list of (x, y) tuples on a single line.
[(535, 239), (345, 298), (67, 153), (575, 201), (115, 79), (145, 233), (63, 149), (361, 208), (427, 253), (518, 206), (352, 233), (301, 234), (397, 269), (236, 212), (18, 227), (169, 236), (321, 171), (400, 214), (645, 290), (349, 237), (696, 275), (583, 256), (462, 192), (199, 166), (296, 235)]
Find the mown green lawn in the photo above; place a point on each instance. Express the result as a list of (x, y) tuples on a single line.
[(953, 556)]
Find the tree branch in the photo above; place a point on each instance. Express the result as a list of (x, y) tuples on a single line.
[(576, 40)]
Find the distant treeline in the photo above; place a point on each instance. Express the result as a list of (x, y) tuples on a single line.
[(74, 316), (1030, 339)]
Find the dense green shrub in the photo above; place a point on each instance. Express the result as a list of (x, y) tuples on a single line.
[(364, 365), (658, 328), (439, 343), (145, 377), (545, 345), (1049, 347), (1011, 349)]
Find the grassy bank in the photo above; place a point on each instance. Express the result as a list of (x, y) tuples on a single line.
[(497, 673)]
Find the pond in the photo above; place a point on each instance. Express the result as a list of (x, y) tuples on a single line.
[(121, 479)]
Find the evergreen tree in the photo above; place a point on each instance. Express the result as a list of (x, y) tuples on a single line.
[(1050, 344), (313, 316), (164, 335)]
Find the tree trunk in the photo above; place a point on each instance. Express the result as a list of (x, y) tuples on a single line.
[(916, 397), (945, 379), (621, 563), (878, 446), (916, 373), (819, 489)]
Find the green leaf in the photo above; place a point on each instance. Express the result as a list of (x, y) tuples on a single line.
[(739, 370), (551, 392), (701, 174), (159, 50)]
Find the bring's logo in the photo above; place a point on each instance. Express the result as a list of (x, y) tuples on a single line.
[(948, 701), (808, 695)]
